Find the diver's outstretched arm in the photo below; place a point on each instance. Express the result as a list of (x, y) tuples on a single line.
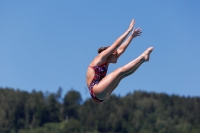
[(117, 43), (135, 33)]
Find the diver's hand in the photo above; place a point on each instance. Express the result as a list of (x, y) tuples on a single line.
[(136, 32), (131, 25)]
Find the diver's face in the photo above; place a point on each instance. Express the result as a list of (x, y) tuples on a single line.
[(113, 57)]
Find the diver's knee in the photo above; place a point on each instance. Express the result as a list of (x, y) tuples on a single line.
[(122, 70), (119, 71)]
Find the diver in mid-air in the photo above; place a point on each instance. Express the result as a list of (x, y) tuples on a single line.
[(101, 85)]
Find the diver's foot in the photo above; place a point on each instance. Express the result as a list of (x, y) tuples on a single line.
[(146, 54)]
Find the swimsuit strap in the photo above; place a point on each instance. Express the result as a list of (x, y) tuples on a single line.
[(97, 66)]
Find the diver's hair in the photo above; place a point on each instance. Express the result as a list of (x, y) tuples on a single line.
[(102, 49)]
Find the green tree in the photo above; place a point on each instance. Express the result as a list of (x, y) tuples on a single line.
[(71, 103)]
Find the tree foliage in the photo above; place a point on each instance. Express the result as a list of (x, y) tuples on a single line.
[(138, 112)]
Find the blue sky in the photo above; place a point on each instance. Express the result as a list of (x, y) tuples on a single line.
[(45, 45)]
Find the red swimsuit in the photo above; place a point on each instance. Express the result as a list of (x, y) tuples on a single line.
[(100, 73)]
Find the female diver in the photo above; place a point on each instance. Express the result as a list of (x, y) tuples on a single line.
[(100, 85)]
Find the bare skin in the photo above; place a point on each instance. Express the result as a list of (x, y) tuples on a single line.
[(105, 87)]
